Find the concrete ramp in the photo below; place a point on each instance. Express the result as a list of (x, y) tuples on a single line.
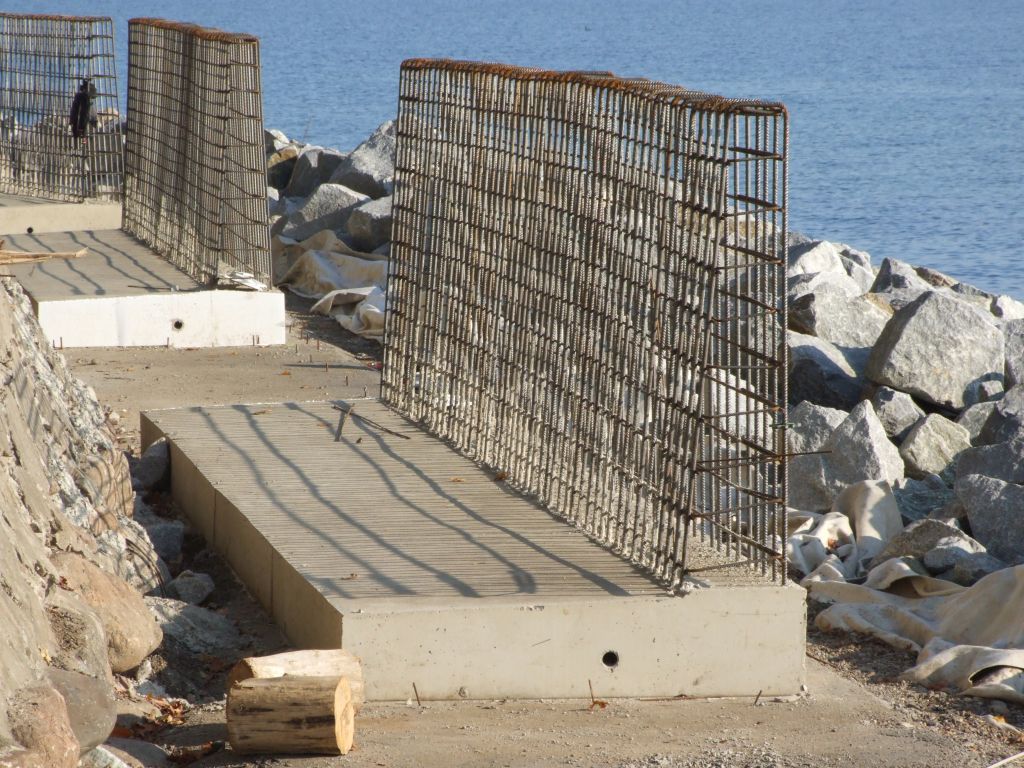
[(122, 294), (387, 542)]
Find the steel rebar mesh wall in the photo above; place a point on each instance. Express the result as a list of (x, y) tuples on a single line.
[(586, 294), (195, 171), (43, 59)]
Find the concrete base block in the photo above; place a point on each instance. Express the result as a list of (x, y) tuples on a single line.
[(722, 641), (207, 318), (465, 589), (121, 294), (20, 215)]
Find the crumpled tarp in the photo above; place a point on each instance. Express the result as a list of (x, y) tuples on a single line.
[(350, 286), (968, 639)]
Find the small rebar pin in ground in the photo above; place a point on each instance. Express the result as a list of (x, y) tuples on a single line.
[(758, 697), (593, 701), (341, 422), (418, 703)]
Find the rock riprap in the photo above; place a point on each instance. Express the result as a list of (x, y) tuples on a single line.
[(906, 429)]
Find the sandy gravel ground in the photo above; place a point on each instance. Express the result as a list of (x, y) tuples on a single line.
[(855, 713)]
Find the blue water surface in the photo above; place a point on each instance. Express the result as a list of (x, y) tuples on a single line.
[(906, 117)]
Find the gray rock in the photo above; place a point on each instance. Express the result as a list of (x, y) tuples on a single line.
[(810, 426), (189, 587), (854, 255), (167, 535), (198, 629), (934, 278), (845, 321), (838, 283), (280, 166), (150, 755), (897, 411), (952, 513), (808, 486), (971, 568), (1003, 461), (860, 450), (935, 348), (814, 256), (933, 445), (1006, 421), (995, 510), (314, 166), (370, 224), (91, 706), (973, 419), (983, 392), (1013, 333), (974, 294), (1006, 308), (898, 284), (945, 552), (105, 757), (863, 277), (820, 373), (370, 168), (274, 140), (336, 221), (857, 265), (327, 199), (920, 537), (918, 499), (153, 469)]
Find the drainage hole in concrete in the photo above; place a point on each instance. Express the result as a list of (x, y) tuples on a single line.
[(178, 325), (610, 659)]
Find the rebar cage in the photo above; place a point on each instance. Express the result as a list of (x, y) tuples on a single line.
[(43, 61), (195, 171), (586, 294)]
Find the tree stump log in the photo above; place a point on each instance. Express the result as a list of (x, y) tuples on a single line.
[(291, 715), (312, 663)]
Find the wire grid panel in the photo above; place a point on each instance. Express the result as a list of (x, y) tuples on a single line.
[(43, 60), (586, 293), (195, 172)]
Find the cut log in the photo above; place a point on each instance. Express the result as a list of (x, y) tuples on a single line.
[(291, 715), (30, 257), (314, 663)]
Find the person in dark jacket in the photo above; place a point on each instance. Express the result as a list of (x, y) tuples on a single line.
[(82, 111)]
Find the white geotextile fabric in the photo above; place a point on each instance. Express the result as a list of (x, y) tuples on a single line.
[(350, 286), (968, 639)]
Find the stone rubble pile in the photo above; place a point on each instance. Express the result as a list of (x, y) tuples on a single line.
[(330, 224), (79, 550), (906, 421)]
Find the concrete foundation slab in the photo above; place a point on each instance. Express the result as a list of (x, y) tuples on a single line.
[(123, 295), (390, 544), (20, 215)]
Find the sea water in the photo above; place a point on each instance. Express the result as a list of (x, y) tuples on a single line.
[(906, 117)]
